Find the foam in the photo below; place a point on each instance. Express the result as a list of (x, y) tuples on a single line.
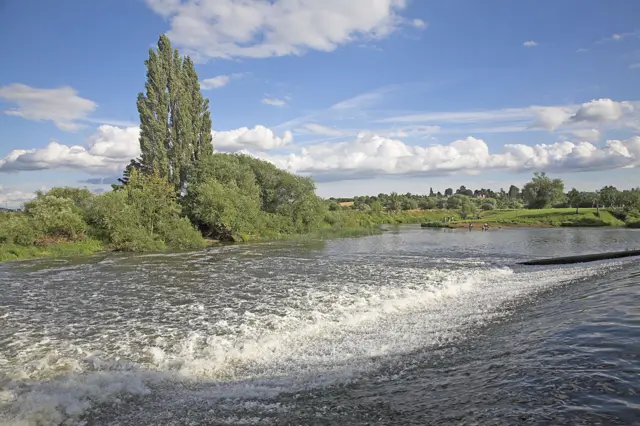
[(272, 340)]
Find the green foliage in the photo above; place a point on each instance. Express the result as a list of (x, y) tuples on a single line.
[(543, 191), (175, 123), (143, 216), (16, 228), (233, 196), (56, 217)]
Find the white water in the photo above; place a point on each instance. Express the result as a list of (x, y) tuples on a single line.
[(273, 332)]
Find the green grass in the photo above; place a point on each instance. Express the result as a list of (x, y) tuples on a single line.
[(551, 217), (82, 248), (435, 225)]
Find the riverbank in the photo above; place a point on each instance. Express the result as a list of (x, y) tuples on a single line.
[(9, 252), (353, 224)]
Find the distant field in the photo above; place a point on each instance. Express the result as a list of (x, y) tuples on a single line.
[(551, 217)]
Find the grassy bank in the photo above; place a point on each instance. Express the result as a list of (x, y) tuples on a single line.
[(550, 218), (66, 249)]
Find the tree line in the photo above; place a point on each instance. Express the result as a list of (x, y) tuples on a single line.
[(541, 192)]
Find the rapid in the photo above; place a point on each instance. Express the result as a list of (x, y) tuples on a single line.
[(413, 326)]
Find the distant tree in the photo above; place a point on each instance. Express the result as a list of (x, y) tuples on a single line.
[(464, 191), (575, 198), (608, 195), (448, 192), (427, 203), (514, 191), (543, 191), (409, 204), (431, 194)]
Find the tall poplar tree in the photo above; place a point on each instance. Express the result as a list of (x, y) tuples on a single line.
[(175, 123)]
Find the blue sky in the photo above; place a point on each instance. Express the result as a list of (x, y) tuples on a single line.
[(366, 96)]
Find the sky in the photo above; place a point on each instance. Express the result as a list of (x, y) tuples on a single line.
[(364, 96)]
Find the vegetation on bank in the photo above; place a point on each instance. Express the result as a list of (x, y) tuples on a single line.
[(181, 195)]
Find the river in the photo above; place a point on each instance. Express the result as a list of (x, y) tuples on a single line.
[(414, 326)]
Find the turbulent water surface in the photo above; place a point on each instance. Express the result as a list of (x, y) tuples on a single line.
[(409, 327)]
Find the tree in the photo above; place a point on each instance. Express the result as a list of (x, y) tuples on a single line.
[(175, 123), (431, 193), (543, 191), (464, 191), (514, 191), (575, 198), (608, 195), (448, 192)]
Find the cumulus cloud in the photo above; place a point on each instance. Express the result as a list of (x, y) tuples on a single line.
[(266, 28), (63, 106), (218, 81), (108, 150), (601, 111), (273, 102), (259, 138), (370, 154), (529, 43)]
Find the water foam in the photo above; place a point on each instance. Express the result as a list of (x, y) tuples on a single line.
[(305, 337)]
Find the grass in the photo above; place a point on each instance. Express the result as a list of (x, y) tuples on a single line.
[(81, 248), (550, 217)]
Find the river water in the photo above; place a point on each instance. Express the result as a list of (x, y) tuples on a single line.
[(413, 326)]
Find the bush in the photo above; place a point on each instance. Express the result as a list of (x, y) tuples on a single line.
[(56, 217)]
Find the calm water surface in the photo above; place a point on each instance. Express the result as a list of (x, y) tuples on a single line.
[(410, 327)]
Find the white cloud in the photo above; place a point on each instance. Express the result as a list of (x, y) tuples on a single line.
[(266, 28), (259, 138), (215, 82), (589, 135), (529, 43), (218, 81), (13, 199), (499, 115), (274, 102), (108, 150), (419, 23), (601, 111), (582, 50), (597, 112), (369, 155), (616, 37), (319, 129), (635, 66), (550, 118), (63, 106)]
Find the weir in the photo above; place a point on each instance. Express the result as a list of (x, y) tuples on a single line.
[(582, 258)]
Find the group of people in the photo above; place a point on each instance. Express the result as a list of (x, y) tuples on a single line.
[(445, 219), (485, 226)]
